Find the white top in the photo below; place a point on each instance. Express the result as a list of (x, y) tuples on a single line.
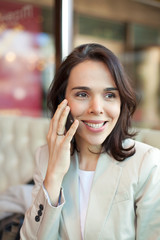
[(85, 182)]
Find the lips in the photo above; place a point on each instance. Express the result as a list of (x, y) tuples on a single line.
[(95, 124)]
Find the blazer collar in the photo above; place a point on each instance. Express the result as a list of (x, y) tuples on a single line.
[(104, 186), (71, 193)]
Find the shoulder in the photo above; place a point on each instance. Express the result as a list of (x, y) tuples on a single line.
[(141, 166), (149, 156), (146, 151), (145, 161), (142, 150), (145, 157)]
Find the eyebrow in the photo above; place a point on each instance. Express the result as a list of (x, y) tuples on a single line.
[(87, 88)]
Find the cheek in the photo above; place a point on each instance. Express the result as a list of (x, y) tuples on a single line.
[(76, 108), (114, 111)]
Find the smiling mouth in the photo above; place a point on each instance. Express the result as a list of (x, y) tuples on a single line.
[(95, 125)]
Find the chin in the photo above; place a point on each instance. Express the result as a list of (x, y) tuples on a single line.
[(92, 140), (96, 142)]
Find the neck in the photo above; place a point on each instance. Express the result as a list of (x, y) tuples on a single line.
[(88, 157)]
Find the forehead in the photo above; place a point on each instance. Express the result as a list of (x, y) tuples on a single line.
[(91, 73)]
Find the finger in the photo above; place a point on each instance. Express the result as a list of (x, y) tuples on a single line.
[(62, 121), (60, 109), (55, 119), (72, 131)]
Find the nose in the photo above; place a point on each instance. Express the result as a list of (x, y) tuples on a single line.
[(96, 106)]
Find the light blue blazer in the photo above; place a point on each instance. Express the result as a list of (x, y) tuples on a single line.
[(124, 201)]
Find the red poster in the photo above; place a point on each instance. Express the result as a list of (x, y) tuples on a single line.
[(20, 59)]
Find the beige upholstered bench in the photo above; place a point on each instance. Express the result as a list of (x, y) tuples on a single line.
[(19, 139)]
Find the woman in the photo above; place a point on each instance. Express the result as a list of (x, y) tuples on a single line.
[(92, 180)]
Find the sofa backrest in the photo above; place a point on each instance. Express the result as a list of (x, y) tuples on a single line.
[(19, 139)]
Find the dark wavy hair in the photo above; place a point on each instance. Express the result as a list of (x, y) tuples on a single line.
[(113, 144)]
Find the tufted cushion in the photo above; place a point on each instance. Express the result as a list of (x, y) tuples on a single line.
[(20, 137), (149, 136)]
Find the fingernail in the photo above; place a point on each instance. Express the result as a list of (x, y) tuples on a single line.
[(67, 108), (76, 121)]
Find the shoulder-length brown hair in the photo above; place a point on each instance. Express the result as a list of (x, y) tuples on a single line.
[(96, 52)]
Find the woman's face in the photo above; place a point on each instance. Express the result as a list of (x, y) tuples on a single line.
[(94, 100)]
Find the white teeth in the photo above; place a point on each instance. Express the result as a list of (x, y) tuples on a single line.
[(93, 125)]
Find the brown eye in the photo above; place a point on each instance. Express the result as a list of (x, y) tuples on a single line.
[(110, 95), (81, 94)]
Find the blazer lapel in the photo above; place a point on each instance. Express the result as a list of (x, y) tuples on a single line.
[(71, 208), (102, 194)]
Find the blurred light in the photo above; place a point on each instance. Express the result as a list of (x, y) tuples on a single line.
[(2, 27), (10, 56), (19, 27), (19, 93), (41, 65), (43, 39)]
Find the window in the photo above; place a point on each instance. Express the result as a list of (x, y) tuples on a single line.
[(26, 56)]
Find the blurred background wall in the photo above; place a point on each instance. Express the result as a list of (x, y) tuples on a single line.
[(130, 28)]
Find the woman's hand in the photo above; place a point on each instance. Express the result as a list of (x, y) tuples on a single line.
[(59, 145)]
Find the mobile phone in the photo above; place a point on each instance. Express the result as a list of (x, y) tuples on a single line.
[(69, 121)]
